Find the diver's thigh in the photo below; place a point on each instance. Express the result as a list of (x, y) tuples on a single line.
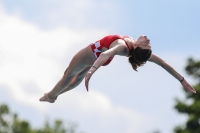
[(79, 63)]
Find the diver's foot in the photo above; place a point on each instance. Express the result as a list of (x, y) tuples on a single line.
[(46, 98)]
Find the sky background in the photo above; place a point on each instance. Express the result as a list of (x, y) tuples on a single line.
[(38, 38)]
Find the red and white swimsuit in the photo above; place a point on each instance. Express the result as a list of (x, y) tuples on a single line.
[(106, 42)]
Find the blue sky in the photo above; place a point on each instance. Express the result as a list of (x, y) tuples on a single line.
[(39, 38)]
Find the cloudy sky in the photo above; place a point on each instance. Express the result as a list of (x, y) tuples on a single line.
[(38, 38)]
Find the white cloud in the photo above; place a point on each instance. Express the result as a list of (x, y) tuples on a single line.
[(97, 109), (28, 54)]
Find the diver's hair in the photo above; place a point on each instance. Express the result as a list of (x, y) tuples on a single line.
[(139, 56)]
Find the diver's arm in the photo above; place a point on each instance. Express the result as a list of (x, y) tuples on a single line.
[(157, 60), (104, 56)]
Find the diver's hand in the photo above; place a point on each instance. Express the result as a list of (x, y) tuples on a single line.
[(89, 75), (187, 86), (87, 79)]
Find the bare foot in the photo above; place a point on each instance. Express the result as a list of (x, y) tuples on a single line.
[(46, 98)]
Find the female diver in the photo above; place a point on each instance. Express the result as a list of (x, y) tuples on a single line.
[(101, 53)]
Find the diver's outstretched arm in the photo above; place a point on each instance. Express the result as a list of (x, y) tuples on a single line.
[(98, 63), (104, 56), (157, 60)]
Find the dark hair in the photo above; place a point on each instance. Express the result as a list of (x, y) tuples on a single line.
[(139, 56)]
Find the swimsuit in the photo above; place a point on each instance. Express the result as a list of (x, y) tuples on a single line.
[(106, 42)]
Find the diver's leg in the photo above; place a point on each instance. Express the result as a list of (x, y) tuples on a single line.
[(78, 64)]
